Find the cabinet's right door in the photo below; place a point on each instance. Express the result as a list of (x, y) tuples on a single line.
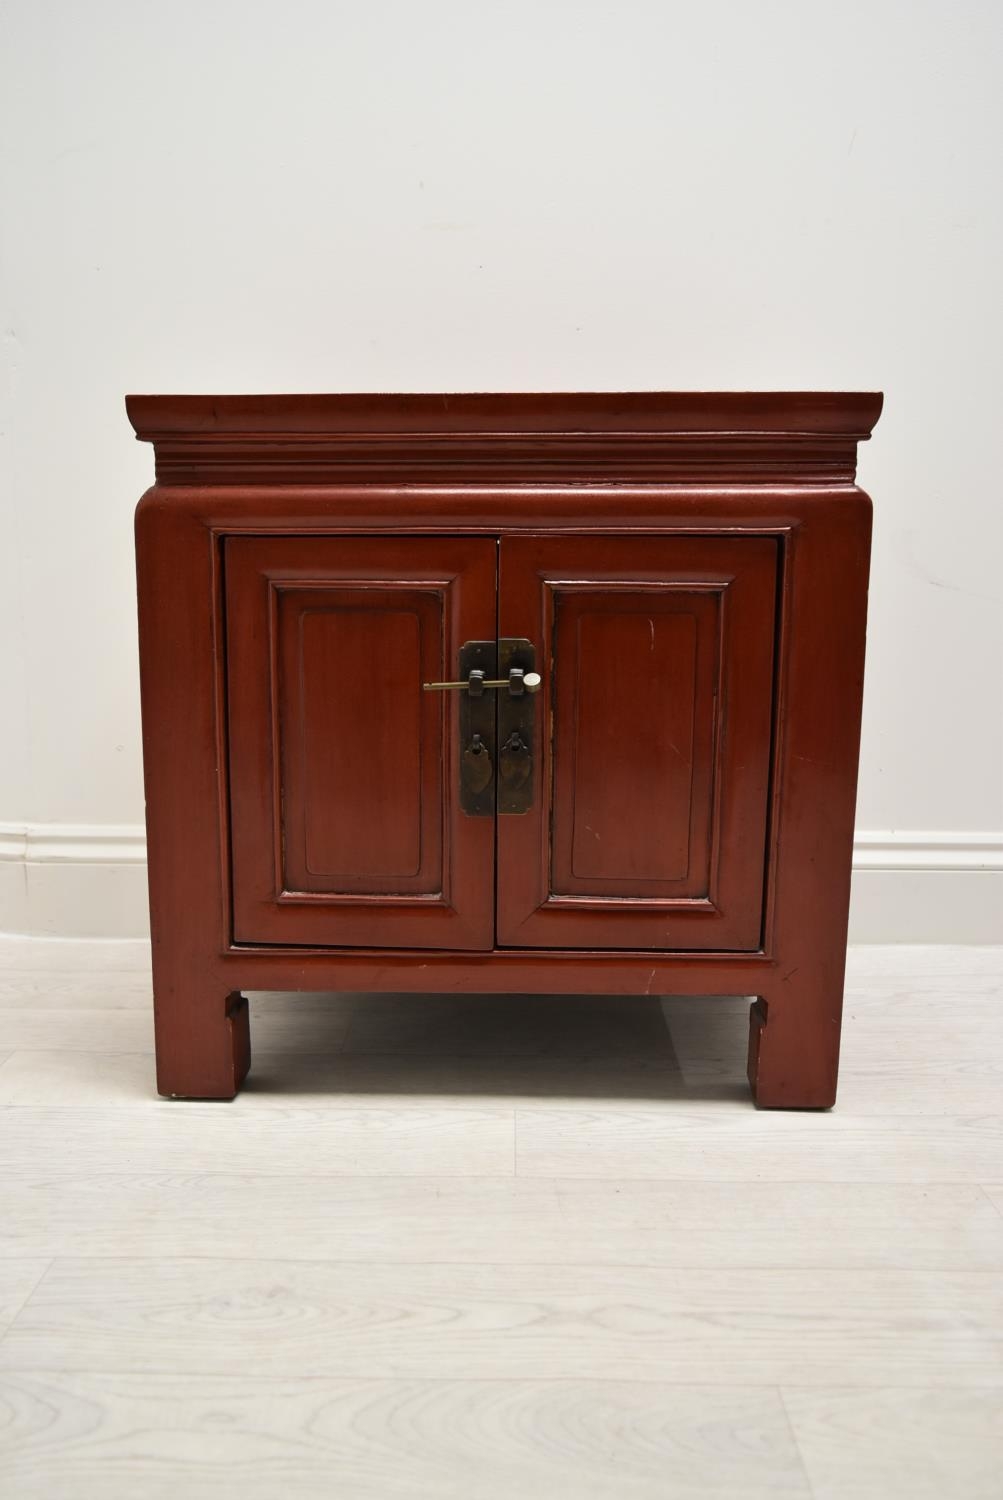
[(653, 741)]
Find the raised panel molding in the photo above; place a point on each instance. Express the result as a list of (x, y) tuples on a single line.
[(328, 649), (910, 886), (656, 833)]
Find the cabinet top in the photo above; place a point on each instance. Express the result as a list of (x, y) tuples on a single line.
[(646, 436)]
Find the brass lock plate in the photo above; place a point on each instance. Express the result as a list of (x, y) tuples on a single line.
[(477, 731), (516, 730)]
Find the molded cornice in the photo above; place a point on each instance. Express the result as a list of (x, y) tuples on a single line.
[(648, 437)]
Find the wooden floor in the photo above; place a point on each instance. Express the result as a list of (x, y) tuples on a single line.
[(496, 1249)]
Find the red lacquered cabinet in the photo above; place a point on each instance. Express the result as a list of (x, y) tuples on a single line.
[(527, 693)]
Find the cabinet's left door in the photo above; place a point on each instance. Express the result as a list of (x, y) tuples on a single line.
[(345, 823)]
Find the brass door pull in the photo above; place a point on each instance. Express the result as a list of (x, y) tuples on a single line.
[(477, 770), (517, 682)]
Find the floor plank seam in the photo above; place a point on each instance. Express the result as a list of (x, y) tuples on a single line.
[(174, 1373), (987, 1190), (59, 1174), (350, 1376), (792, 1433), (50, 1262), (733, 1267)]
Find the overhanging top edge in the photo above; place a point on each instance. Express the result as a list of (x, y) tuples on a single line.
[(725, 414)]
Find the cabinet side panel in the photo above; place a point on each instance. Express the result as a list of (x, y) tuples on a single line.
[(794, 1054), (201, 1027)]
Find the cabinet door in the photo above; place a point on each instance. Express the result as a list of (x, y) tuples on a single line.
[(345, 824), (648, 824)]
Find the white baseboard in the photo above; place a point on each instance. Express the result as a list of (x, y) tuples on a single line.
[(906, 849), (73, 880), (78, 880)]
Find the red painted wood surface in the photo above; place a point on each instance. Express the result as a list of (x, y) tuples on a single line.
[(345, 822), (320, 474), (635, 702), (649, 824), (807, 436)]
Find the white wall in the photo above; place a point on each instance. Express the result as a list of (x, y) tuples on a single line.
[(455, 194)]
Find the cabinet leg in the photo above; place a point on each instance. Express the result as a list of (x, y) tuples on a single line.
[(794, 1048), (203, 1052)]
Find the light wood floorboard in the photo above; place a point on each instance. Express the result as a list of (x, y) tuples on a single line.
[(900, 1444), (448, 1320), (58, 989), (875, 1095), (19, 1275), (82, 1028), (30, 955), (642, 1142), (866, 963), (325, 1081), (77, 1028), (418, 1139), (481, 1247), (54, 1211), (100, 1437)]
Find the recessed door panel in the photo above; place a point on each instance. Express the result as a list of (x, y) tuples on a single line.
[(364, 647), (620, 735), (345, 824), (648, 826)]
